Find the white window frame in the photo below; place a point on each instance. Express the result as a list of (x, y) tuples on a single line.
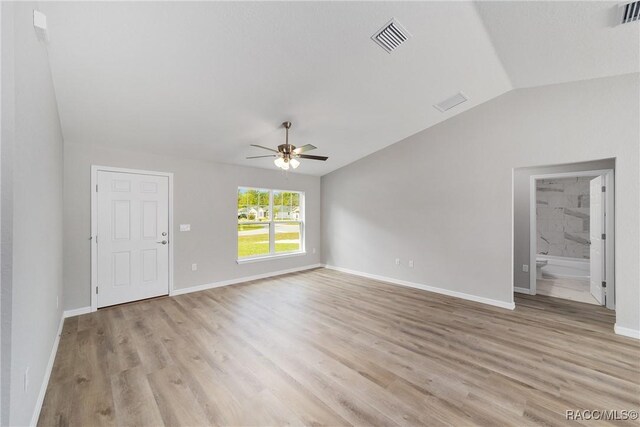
[(272, 228)]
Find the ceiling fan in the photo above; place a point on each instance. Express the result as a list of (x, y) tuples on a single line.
[(287, 155)]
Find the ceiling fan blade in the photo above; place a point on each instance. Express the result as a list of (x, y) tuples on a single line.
[(265, 148), (304, 148), (307, 156), (260, 157)]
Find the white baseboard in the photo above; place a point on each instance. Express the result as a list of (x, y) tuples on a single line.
[(240, 280), (483, 300), (627, 332), (47, 375), (77, 312), (522, 290)]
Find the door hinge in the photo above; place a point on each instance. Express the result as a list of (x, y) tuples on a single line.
[(604, 189), (97, 188), (604, 236), (604, 284), (96, 239), (97, 290)]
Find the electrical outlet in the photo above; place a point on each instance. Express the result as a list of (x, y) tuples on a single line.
[(525, 268), (26, 380), (185, 227), (410, 263), (194, 267), (397, 261)]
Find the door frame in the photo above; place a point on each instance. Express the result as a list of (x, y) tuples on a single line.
[(94, 224), (608, 177)]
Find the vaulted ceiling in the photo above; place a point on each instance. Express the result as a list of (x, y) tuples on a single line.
[(547, 42), (206, 79)]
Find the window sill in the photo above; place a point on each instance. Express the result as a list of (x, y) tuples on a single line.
[(270, 257)]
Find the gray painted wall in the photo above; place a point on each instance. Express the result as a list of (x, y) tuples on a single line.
[(205, 196), (32, 192), (521, 236), (443, 197)]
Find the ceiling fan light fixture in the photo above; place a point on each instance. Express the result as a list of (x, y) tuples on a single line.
[(287, 154)]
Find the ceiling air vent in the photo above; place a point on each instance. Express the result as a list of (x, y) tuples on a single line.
[(451, 102), (630, 12), (392, 35)]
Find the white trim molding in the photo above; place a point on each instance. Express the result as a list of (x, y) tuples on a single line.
[(206, 286), (77, 311), (523, 290), (85, 310), (502, 304), (269, 257), (47, 375), (94, 224), (627, 332)]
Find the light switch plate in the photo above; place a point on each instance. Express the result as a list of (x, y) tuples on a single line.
[(40, 25), (39, 20), (185, 227)]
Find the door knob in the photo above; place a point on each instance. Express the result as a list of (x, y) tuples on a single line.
[(164, 242)]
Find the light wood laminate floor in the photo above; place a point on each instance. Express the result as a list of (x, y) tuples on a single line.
[(326, 348)]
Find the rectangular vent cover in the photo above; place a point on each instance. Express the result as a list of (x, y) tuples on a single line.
[(451, 102), (630, 12), (392, 35)]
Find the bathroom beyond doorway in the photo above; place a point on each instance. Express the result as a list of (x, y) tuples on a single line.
[(571, 226)]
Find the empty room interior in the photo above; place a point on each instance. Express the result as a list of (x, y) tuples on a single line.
[(319, 213)]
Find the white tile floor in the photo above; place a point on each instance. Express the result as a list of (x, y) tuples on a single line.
[(571, 289)]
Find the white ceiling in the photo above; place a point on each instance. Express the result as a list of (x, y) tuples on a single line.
[(205, 80), (544, 42)]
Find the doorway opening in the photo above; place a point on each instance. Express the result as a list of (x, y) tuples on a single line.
[(572, 236)]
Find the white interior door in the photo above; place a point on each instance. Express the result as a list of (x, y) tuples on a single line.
[(596, 230), (132, 237)]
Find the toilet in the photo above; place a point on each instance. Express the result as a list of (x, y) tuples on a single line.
[(539, 264)]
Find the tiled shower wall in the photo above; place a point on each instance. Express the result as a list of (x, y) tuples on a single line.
[(562, 207)]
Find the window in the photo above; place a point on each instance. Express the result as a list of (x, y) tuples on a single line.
[(270, 222)]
